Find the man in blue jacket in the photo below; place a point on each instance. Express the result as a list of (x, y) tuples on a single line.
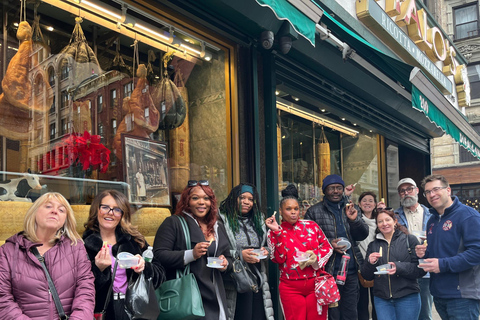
[(414, 216), (452, 252)]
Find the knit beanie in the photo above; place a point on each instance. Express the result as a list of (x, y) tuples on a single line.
[(331, 179)]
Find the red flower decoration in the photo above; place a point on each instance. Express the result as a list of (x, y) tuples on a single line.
[(86, 149)]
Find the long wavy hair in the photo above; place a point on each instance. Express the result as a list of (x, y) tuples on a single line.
[(68, 229), (231, 208), (183, 205), (125, 224)]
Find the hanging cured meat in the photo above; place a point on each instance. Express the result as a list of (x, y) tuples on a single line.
[(323, 156), (84, 62), (16, 101), (168, 100), (142, 117)]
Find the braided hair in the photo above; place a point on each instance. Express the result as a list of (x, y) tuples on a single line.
[(290, 192), (231, 208)]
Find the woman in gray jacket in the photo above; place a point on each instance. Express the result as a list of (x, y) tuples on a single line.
[(246, 231)]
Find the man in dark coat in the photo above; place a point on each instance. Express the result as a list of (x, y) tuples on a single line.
[(338, 219)]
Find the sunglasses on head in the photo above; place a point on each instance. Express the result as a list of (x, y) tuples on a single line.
[(384, 209), (193, 183)]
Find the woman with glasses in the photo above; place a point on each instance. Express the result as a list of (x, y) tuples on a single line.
[(395, 289), (246, 231), (109, 232), (198, 206)]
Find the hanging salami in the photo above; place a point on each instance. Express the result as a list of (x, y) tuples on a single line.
[(168, 100), (323, 156)]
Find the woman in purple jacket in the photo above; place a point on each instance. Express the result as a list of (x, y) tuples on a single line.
[(24, 293)]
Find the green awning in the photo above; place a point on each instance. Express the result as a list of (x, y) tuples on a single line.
[(285, 11), (423, 104)]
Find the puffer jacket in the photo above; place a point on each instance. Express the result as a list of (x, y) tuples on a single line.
[(402, 252), (24, 292), (357, 230)]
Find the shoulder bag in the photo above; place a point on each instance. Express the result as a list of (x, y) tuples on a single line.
[(180, 298), (243, 277), (51, 285), (101, 315)]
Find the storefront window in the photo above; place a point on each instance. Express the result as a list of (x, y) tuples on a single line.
[(310, 149), (164, 88), (392, 175)]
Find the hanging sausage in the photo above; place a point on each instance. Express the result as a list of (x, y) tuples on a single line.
[(323, 156)]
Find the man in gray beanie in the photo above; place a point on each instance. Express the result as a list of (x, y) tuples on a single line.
[(340, 219)]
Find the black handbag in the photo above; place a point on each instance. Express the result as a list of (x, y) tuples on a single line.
[(243, 277), (51, 285), (140, 299)]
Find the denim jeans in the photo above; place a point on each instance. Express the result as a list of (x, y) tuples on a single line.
[(426, 299), (457, 309), (406, 308)]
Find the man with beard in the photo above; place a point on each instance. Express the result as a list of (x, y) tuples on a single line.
[(339, 218), (414, 216)]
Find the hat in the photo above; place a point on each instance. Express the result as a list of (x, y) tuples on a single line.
[(406, 180), (331, 179)]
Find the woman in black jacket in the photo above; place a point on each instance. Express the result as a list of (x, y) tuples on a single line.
[(109, 232), (198, 206), (396, 289)]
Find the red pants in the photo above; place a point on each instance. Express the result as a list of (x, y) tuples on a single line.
[(299, 301)]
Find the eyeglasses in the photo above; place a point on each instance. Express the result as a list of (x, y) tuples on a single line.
[(406, 190), (335, 188), (104, 209), (193, 183), (434, 190)]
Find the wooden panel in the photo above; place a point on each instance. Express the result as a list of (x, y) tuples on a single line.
[(460, 175)]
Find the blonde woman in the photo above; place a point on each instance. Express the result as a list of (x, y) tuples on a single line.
[(49, 226)]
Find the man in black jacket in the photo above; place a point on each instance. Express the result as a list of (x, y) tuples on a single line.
[(338, 218)]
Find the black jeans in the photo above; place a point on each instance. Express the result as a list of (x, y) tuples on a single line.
[(347, 306)]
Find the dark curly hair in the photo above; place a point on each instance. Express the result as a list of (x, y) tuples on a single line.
[(231, 208), (290, 192)]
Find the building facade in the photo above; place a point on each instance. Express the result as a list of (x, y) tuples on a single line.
[(460, 20)]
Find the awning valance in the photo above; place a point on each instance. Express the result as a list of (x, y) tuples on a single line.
[(284, 10), (439, 111)]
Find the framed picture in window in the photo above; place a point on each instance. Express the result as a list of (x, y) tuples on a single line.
[(146, 171)]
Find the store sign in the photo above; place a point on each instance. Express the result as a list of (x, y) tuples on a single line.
[(419, 45), (423, 104)]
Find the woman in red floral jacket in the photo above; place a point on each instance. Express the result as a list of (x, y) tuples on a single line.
[(301, 250)]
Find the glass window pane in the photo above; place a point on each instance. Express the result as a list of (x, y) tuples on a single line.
[(105, 99)]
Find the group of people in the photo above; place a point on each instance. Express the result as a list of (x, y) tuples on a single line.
[(373, 250)]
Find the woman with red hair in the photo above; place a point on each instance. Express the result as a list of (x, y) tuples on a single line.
[(198, 206)]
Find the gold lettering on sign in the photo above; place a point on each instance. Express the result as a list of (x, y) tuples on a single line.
[(408, 17), (438, 51), (423, 43), (392, 7)]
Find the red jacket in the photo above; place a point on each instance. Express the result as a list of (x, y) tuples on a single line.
[(24, 292), (302, 236)]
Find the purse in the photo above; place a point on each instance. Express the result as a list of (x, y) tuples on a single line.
[(364, 283), (101, 315), (180, 298), (243, 277), (51, 285), (326, 289), (140, 299)]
